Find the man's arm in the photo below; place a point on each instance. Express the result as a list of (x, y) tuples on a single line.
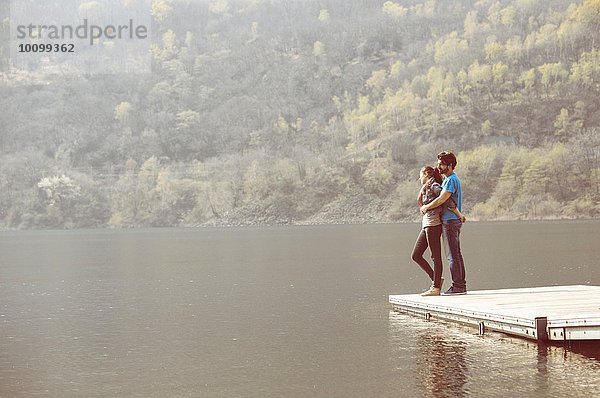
[(459, 215), (440, 200)]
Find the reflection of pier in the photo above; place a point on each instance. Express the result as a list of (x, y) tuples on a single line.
[(558, 313)]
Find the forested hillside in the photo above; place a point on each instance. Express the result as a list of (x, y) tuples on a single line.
[(315, 111)]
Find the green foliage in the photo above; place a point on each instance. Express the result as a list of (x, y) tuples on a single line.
[(539, 183), (268, 112), (479, 171), (394, 9), (451, 51), (161, 9), (379, 177), (586, 72)]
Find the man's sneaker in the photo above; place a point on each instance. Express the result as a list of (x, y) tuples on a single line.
[(433, 291), (455, 291)]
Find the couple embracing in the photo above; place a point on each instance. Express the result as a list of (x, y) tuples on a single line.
[(440, 199)]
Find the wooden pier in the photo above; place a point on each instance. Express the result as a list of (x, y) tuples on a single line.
[(557, 313)]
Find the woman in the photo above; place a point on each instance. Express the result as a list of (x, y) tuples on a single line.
[(431, 230)]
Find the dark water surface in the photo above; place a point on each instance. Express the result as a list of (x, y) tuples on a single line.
[(276, 312)]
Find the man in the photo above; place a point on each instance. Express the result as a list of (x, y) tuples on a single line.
[(451, 223)]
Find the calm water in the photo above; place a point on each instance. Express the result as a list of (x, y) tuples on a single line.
[(275, 312)]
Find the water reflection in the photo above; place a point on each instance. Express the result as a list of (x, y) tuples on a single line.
[(542, 367), (435, 361), (590, 349), (442, 365), (450, 360)]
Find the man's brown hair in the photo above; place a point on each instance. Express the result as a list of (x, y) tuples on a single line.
[(447, 158)]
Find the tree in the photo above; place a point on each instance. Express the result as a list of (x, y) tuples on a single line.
[(547, 41), (508, 16), (586, 72), (394, 9), (538, 182), (479, 171), (60, 193), (552, 75), (161, 10), (511, 178), (583, 151), (378, 176), (219, 7), (494, 51), (451, 51), (396, 70), (589, 12), (480, 79), (471, 26), (318, 49), (377, 80), (569, 124), (499, 76), (361, 123), (513, 50), (528, 80), (324, 16), (494, 14)]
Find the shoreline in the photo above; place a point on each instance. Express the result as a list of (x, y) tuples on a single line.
[(223, 225)]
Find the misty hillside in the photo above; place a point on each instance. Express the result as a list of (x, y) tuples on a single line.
[(274, 111)]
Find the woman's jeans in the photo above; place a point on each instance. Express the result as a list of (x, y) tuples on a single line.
[(455, 259), (430, 237)]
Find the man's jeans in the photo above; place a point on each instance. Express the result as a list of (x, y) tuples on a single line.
[(451, 231)]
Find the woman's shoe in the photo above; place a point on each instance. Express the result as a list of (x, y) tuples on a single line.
[(441, 283), (433, 291)]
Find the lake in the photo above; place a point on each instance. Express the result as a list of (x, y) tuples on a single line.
[(276, 312)]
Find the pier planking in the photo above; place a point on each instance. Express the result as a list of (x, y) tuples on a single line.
[(554, 313)]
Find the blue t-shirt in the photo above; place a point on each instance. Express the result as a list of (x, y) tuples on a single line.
[(452, 184)]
